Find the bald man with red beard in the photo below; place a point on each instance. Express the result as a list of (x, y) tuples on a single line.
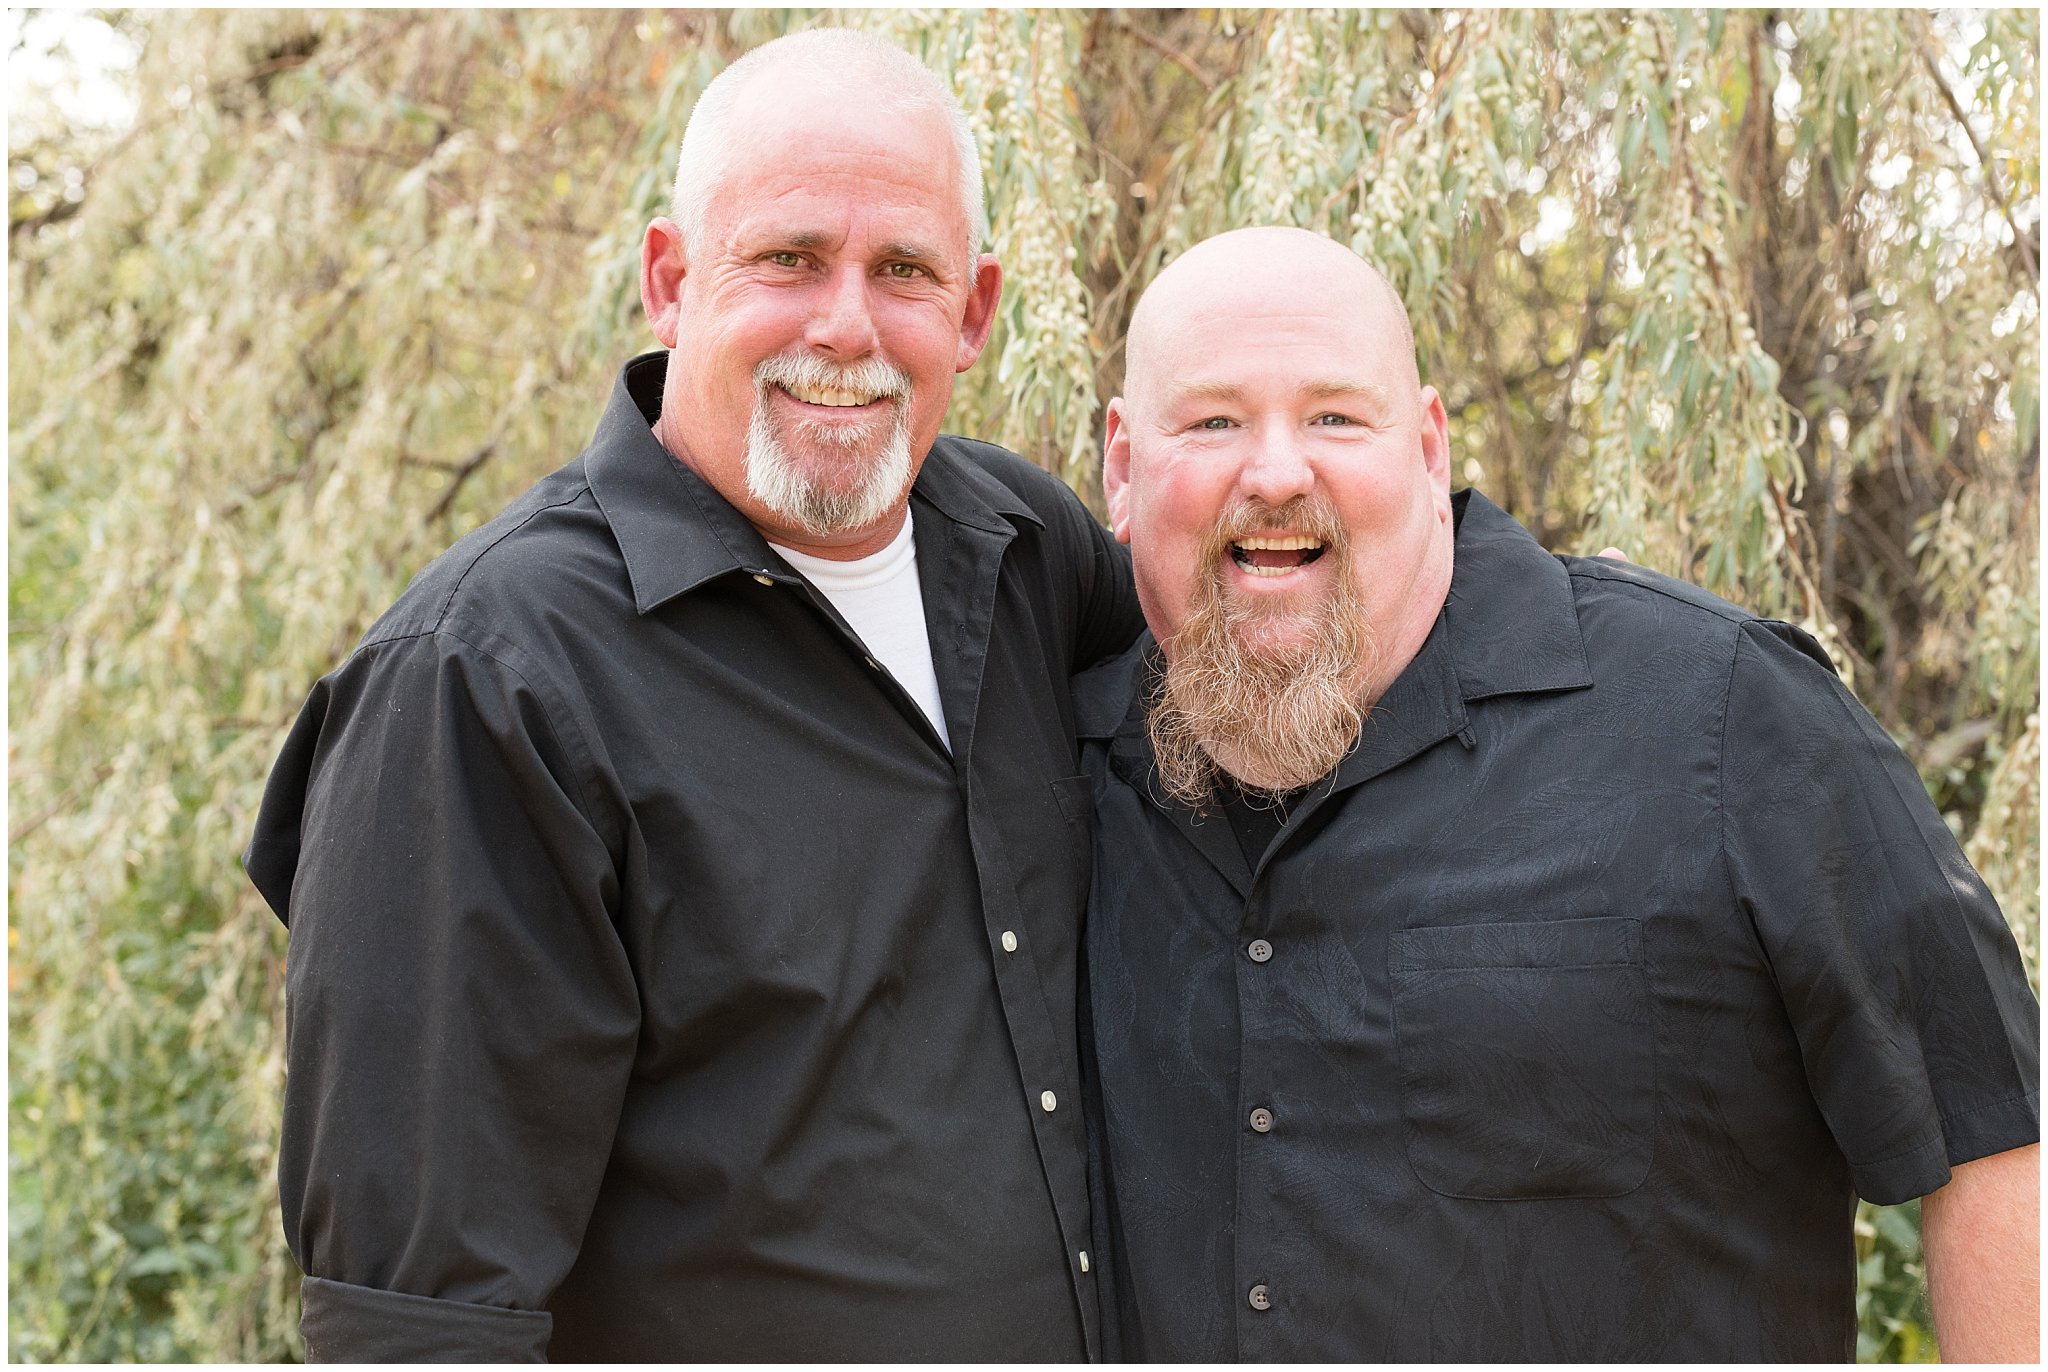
[(1496, 955)]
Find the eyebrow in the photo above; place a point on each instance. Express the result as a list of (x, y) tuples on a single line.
[(1319, 389), (900, 251)]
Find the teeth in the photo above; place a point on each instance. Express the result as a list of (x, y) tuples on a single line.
[(1291, 543), (829, 395), (1253, 569)]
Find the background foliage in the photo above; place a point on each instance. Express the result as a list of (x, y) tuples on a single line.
[(1753, 294)]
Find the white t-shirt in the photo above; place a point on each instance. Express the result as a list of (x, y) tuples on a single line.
[(878, 594)]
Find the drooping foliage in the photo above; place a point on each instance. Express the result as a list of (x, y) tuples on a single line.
[(1753, 294)]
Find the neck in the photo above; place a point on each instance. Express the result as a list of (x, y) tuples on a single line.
[(837, 547), (1425, 601)]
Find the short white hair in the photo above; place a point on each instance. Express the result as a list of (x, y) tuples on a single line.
[(843, 56)]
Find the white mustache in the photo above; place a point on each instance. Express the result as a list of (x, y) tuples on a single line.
[(870, 375)]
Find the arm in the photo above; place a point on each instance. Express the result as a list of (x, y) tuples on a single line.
[(1918, 1031), (1110, 618), (1982, 1236), (460, 1015)]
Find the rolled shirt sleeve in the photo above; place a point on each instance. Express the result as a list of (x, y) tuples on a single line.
[(461, 1016), (1899, 974)]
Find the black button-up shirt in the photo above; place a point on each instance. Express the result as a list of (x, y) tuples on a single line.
[(1566, 1020), (660, 986)]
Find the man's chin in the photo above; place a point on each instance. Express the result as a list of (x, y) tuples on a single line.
[(1275, 632)]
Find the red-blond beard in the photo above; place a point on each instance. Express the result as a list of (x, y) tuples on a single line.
[(1274, 717)]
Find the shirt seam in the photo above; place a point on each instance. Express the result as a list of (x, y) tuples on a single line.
[(2019, 1099), (448, 605), (1905, 801), (580, 754), (1731, 614), (1935, 1140), (1860, 730), (1729, 871)]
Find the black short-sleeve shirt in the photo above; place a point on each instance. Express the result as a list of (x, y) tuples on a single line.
[(1565, 1021), (660, 986)]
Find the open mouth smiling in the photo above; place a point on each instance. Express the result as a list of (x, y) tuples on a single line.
[(831, 397), (1275, 555)]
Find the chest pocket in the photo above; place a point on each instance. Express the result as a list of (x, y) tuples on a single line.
[(1527, 1057)]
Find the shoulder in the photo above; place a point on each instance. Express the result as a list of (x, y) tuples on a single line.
[(1620, 599), (1602, 581), (524, 562), (995, 469), (1103, 693)]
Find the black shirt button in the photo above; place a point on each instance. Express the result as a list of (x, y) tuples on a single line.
[(1262, 1120), (1259, 1299), (1259, 950)]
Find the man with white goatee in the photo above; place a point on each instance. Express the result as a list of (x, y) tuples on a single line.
[(684, 875)]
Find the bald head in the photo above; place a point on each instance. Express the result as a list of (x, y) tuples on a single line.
[(1283, 478), (1256, 266), (863, 70)]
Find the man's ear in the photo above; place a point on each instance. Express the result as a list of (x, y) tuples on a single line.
[(663, 265), (1116, 469), (980, 318), (1436, 444)]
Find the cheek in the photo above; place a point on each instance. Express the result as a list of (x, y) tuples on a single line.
[(1192, 495), (921, 338)]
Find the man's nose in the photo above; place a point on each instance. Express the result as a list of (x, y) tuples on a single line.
[(1278, 469), (843, 323)]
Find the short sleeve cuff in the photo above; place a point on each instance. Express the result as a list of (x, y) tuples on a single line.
[(1978, 1133), (1996, 1128), (345, 1323), (1901, 1177)]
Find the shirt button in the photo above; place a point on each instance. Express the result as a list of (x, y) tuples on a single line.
[(1259, 950), (1049, 1101), (1009, 941), (1084, 1260), (764, 578), (1259, 1299), (1262, 1120), (872, 664)]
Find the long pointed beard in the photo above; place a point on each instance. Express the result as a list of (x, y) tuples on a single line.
[(1274, 719)]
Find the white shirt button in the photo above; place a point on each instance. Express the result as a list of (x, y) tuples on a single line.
[(1049, 1101), (1084, 1260), (764, 578), (1009, 942)]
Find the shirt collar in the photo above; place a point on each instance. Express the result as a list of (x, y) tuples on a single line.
[(1511, 623), (676, 532)]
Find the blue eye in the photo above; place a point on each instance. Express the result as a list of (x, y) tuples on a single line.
[(1332, 420), (1214, 421)]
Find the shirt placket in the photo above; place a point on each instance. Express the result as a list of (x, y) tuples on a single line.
[(970, 560), (1261, 1298)]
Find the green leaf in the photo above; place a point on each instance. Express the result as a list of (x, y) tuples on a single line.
[(1660, 134)]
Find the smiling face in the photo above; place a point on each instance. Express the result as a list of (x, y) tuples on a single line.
[(815, 334), (1282, 478), (1272, 413)]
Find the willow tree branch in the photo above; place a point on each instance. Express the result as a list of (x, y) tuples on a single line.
[(2022, 240), (1171, 54)]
